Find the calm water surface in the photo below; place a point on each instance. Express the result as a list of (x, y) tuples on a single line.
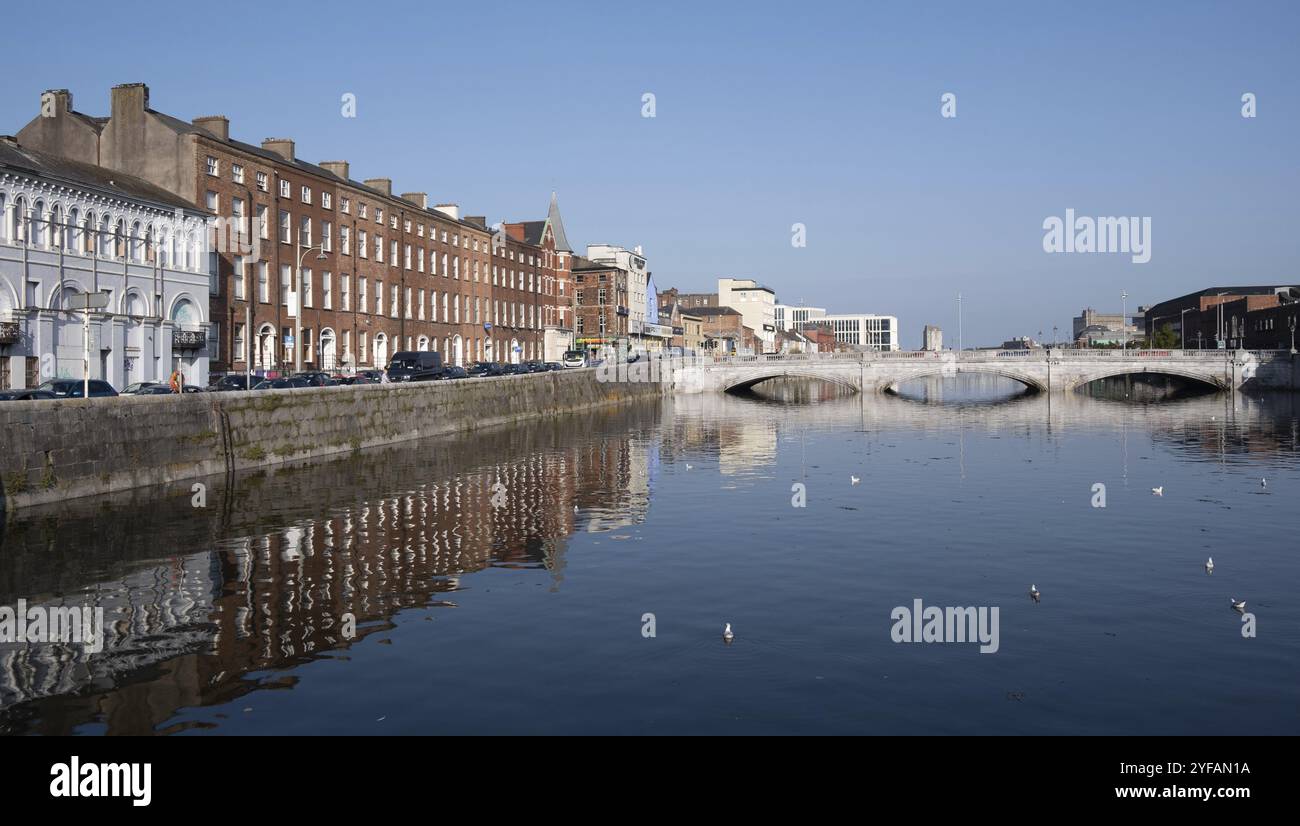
[(498, 581)]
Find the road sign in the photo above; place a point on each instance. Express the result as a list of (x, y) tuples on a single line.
[(88, 301)]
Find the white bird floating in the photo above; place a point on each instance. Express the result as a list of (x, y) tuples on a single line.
[(1209, 564), (1033, 592), (1160, 491), (1240, 605), (728, 636), (1263, 483), (853, 480), (689, 466)]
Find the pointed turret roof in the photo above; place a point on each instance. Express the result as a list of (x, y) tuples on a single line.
[(557, 226)]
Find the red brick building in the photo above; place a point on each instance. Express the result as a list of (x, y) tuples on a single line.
[(380, 272)]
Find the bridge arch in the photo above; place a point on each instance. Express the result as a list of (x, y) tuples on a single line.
[(746, 380), (890, 385), (1206, 378)]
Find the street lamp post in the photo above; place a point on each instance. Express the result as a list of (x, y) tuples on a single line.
[(297, 315), (1293, 334), (1182, 328), (959, 330), (1123, 316)]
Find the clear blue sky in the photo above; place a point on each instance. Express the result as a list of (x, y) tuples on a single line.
[(825, 114)]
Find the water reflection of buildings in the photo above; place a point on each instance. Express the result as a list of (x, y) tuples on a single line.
[(265, 578)]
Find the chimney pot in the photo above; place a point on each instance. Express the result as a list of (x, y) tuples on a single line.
[(450, 210), (218, 125), (280, 146), (129, 96), (420, 199), (384, 185), (338, 168)]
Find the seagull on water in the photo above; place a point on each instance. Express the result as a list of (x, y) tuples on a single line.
[(1240, 605), (853, 480), (728, 636), (1033, 593), (689, 466), (1209, 564), (1263, 483), (1160, 491)]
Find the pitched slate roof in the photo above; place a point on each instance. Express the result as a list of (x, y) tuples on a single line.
[(31, 161)]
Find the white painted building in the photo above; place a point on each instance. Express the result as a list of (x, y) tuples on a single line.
[(789, 317), (643, 328), (872, 332), (756, 303), (69, 228)]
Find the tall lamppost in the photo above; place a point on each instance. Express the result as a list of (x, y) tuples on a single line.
[(1123, 317), (1182, 328), (1293, 334), (297, 315)]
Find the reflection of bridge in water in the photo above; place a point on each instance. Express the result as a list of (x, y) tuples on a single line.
[(1053, 370)]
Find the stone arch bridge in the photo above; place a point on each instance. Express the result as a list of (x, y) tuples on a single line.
[(1054, 370)]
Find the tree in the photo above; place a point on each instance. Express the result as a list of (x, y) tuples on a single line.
[(1166, 338)]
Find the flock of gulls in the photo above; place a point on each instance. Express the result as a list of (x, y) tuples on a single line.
[(1034, 593)]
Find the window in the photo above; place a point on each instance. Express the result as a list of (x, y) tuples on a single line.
[(262, 220), (263, 285), (361, 244), (284, 188), (392, 222), (362, 297), (240, 353), (379, 249), (379, 215), (304, 231), (407, 226), (392, 304), (420, 259), (240, 287), (237, 173), (214, 168), (327, 236), (408, 302), (286, 284), (327, 290), (326, 200), (407, 258), (345, 240), (392, 254), (379, 298), (306, 195), (237, 212), (361, 348), (212, 201), (345, 205), (307, 291), (285, 234), (345, 291), (421, 305), (261, 181), (433, 305), (361, 210)]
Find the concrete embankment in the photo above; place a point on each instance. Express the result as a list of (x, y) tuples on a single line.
[(50, 451)]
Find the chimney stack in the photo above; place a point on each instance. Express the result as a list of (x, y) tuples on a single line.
[(337, 168), (420, 199), (61, 98), (129, 99), (218, 125), (384, 185), (477, 220), (280, 146), (450, 210)]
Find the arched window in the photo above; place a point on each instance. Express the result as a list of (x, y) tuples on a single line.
[(36, 225), (56, 226), (74, 231), (186, 313), (4, 218), (105, 237), (164, 248), (18, 221), (119, 238), (136, 243)]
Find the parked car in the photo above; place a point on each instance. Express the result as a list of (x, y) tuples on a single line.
[(553, 365), (233, 381), (192, 388), (402, 366), (282, 384), (453, 372), (138, 388), (485, 369), (73, 388), (574, 358), (315, 379), (24, 395), (533, 367)]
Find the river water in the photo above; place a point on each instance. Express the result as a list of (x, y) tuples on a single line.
[(504, 581)]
